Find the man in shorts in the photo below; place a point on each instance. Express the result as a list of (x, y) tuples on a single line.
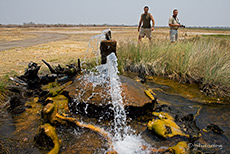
[(174, 24), (146, 28)]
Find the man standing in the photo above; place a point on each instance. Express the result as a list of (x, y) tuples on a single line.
[(174, 24), (146, 29)]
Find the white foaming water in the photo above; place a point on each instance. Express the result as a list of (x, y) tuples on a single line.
[(124, 141), (131, 144), (106, 75), (110, 72), (94, 44), (91, 75)]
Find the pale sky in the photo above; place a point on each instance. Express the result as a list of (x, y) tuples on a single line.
[(191, 12)]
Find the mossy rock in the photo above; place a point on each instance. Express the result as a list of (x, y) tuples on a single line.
[(61, 103), (179, 148), (50, 131), (163, 125), (54, 88)]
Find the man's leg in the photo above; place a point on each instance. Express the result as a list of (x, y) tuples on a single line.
[(139, 38), (176, 35), (172, 35), (141, 35), (149, 35)]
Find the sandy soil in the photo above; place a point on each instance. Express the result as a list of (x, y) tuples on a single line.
[(19, 46)]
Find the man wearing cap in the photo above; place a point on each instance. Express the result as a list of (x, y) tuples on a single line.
[(174, 24), (146, 28)]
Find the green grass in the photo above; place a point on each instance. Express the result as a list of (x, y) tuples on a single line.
[(2, 87), (201, 59), (5, 80), (218, 36)]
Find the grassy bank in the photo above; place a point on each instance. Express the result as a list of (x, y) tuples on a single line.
[(4, 82), (203, 60)]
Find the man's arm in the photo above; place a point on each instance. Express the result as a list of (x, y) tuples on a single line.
[(152, 21), (173, 25), (139, 26)]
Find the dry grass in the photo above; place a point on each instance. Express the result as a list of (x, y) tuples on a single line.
[(70, 49), (204, 60), (62, 52), (8, 35)]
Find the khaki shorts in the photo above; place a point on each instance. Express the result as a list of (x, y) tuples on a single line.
[(173, 35), (146, 32)]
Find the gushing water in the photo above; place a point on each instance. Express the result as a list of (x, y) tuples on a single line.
[(109, 72), (106, 76), (93, 45), (123, 141)]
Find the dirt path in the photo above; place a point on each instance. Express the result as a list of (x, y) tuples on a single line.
[(40, 39)]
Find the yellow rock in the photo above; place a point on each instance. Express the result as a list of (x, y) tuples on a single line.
[(51, 115), (51, 132), (50, 85), (54, 88), (150, 77), (61, 102), (164, 125), (150, 94), (180, 148), (49, 112)]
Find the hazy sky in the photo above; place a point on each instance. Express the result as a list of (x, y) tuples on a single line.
[(191, 12)]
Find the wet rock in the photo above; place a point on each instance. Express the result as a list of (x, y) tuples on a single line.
[(163, 125), (43, 141), (17, 104), (91, 103), (188, 124), (55, 88), (179, 148), (17, 100), (61, 102), (142, 78), (51, 90), (163, 108), (46, 101), (51, 115), (188, 117), (47, 137), (216, 129), (151, 94)]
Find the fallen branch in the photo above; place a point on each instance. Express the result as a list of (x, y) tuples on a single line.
[(70, 71)]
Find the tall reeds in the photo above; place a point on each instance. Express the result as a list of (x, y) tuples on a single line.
[(204, 60)]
